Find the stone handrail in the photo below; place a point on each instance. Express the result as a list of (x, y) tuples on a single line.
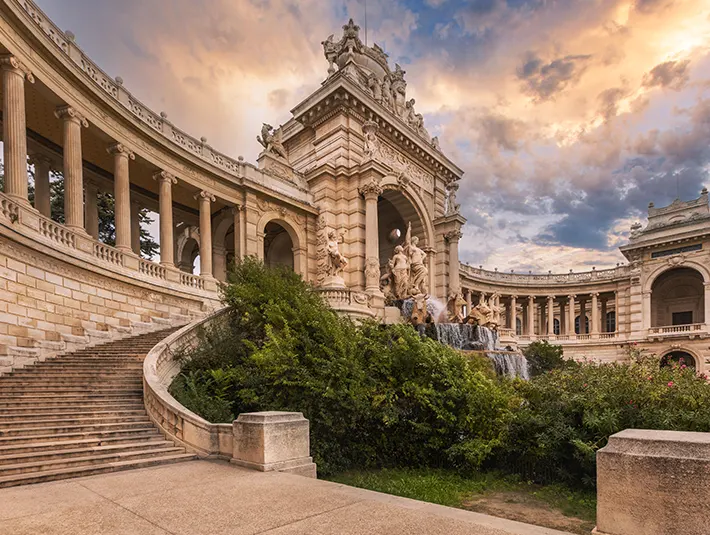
[(670, 329), (158, 123), (175, 421), (27, 221), (265, 441), (600, 275)]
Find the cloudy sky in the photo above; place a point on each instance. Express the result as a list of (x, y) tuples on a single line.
[(568, 116)]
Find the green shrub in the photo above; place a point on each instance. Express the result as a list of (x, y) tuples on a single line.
[(543, 357), (570, 413), (375, 396)]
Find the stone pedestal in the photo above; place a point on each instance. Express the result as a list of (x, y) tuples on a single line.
[(333, 281), (273, 441), (655, 482)]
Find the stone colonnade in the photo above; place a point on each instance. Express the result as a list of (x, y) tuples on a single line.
[(553, 315)]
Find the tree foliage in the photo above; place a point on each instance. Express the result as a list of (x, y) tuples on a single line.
[(543, 357)]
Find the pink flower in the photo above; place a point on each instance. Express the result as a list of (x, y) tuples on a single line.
[(670, 383), (650, 378)]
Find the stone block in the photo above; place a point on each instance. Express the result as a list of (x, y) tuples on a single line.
[(273, 441), (655, 482), (54, 279)]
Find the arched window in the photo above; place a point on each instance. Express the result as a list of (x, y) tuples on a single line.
[(611, 322), (556, 326), (680, 358), (518, 327)]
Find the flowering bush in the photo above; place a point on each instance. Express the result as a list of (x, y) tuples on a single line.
[(570, 413)]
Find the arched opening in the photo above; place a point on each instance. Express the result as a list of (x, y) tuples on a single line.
[(677, 298), (278, 246), (190, 252), (556, 326), (586, 325), (678, 358), (518, 327)]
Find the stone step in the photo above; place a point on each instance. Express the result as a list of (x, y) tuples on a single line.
[(97, 399), (92, 442), (69, 453), (84, 374), (88, 460), (41, 381), (50, 389), (64, 473), (28, 423), (37, 415), (29, 431), (75, 435), (83, 367), (71, 408)]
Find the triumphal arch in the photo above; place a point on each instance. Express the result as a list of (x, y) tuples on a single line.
[(352, 192)]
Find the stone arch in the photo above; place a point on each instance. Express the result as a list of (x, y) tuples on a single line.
[(660, 270), (390, 183), (222, 249), (297, 235), (681, 352), (678, 297), (188, 248)]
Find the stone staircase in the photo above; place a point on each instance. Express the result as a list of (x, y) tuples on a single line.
[(80, 414)]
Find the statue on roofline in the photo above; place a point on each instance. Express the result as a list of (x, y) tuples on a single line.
[(270, 139)]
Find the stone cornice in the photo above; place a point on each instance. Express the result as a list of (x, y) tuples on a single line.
[(342, 95)]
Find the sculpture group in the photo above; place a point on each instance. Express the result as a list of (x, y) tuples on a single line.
[(406, 274)]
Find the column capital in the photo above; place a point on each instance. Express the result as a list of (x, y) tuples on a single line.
[(571, 296), (205, 195), (164, 176), (370, 190), (594, 294), (39, 158), (513, 296), (238, 208), (120, 149), (90, 184), (8, 62), (453, 236), (550, 297), (69, 113)]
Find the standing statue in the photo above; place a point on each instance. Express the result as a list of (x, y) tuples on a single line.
[(451, 207), (399, 90), (399, 267), (270, 139), (375, 86), (410, 116), (337, 261), (331, 50), (387, 91), (419, 273)]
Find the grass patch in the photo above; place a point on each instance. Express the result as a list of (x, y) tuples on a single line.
[(445, 487)]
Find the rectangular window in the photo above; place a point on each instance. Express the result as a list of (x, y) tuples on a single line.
[(683, 318)]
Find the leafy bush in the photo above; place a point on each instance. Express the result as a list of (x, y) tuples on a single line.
[(374, 395), (543, 357), (570, 413)]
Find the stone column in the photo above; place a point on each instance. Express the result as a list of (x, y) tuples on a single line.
[(371, 191), (570, 323), (563, 317), (42, 192), (595, 314), (73, 167), (603, 315), (238, 212), (136, 227), (122, 194), (205, 198), (531, 315), (550, 314), (582, 316), (513, 311), (166, 180), (91, 209), (452, 239), (617, 315), (14, 129), (646, 310)]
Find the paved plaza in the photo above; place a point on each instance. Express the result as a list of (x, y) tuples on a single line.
[(206, 497)]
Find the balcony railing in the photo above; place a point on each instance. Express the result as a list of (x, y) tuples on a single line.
[(677, 329)]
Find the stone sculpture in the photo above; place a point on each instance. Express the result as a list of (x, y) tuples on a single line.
[(337, 261), (454, 307), (270, 139), (399, 268), (420, 314), (450, 205), (485, 314), (419, 273)]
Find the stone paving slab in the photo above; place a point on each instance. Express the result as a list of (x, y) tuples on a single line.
[(212, 497)]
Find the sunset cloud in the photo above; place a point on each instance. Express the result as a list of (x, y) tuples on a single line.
[(568, 118)]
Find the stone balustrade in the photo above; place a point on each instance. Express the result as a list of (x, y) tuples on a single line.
[(542, 279), (265, 441)]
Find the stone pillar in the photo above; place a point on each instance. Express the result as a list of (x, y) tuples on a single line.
[(570, 323), (205, 198), (595, 314), (14, 129), (122, 194), (73, 166), (42, 192), (239, 237), (582, 315), (453, 238), (219, 263), (617, 309), (551, 315), (706, 296), (91, 209), (531, 315), (646, 310), (563, 317), (136, 227), (513, 311), (166, 180), (603, 315), (371, 191), (469, 300)]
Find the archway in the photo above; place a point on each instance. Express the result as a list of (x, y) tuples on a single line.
[(679, 358), (278, 246), (677, 298)]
